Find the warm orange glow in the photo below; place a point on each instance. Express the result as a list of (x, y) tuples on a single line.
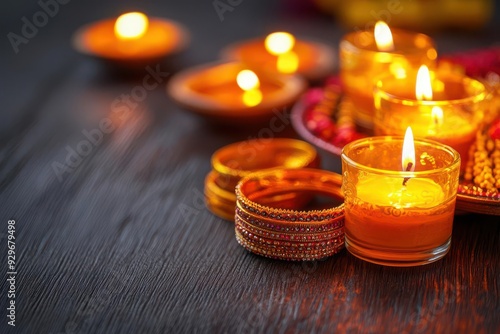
[(408, 154), (131, 25), (398, 68), (383, 37), (252, 97), (437, 116), (279, 43), (288, 62), (248, 81), (432, 53), (423, 87)]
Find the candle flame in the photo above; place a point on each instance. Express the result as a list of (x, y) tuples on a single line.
[(279, 43), (252, 97), (437, 116), (423, 87), (131, 25), (288, 62), (383, 37), (249, 82), (408, 154)]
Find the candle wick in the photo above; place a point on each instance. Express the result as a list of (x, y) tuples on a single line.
[(408, 168)]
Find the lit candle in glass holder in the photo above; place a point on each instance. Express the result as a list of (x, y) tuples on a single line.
[(443, 106), (131, 38), (229, 92), (365, 55), (283, 53), (399, 199)]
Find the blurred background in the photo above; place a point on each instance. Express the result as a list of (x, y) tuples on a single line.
[(45, 80), (412, 14), (456, 24)]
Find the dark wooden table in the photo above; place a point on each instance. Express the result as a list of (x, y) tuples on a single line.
[(122, 243)]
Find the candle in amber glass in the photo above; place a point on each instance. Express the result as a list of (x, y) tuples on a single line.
[(283, 53), (229, 92), (131, 38), (365, 55), (399, 199), (443, 106)]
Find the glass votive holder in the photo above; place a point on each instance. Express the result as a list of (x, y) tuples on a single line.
[(395, 217), (361, 62), (452, 117)]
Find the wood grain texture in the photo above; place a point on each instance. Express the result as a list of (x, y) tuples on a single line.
[(124, 244)]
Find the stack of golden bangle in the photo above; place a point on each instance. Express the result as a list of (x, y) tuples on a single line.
[(269, 221), (235, 161), (274, 180)]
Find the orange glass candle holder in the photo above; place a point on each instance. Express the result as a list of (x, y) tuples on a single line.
[(314, 61), (452, 117), (215, 92), (137, 41), (395, 217), (361, 63)]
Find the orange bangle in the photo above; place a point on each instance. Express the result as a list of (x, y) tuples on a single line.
[(219, 201), (237, 160), (270, 230), (212, 187)]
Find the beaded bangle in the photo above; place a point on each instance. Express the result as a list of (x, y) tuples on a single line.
[(266, 229), (286, 255), (290, 246), (290, 222), (288, 236)]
